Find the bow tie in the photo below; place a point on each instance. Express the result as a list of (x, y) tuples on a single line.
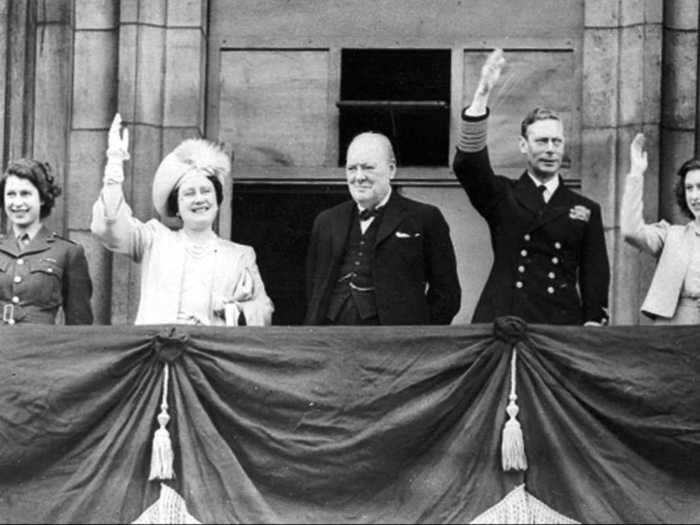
[(369, 213)]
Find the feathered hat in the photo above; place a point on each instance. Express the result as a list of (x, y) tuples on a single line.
[(191, 156)]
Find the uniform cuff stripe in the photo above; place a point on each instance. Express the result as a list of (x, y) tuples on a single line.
[(472, 137)]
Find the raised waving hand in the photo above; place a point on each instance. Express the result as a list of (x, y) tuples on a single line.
[(117, 151), (490, 73), (638, 155)]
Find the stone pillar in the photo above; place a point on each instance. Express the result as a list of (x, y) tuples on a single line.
[(18, 71), (52, 95), (621, 96), (161, 79), (93, 102), (679, 97), (17, 23)]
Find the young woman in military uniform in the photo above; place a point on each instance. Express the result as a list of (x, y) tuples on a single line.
[(40, 272)]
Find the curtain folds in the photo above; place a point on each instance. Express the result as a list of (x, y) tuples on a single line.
[(362, 425)]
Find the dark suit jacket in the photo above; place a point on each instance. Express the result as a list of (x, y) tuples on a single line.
[(414, 269), (548, 267), (48, 273)]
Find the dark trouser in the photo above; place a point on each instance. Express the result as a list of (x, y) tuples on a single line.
[(349, 315)]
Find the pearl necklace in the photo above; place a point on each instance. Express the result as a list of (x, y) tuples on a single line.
[(197, 250)]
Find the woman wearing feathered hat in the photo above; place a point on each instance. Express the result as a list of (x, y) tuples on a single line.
[(188, 275)]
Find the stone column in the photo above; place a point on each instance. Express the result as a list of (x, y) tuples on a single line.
[(679, 97), (52, 99), (17, 63), (161, 86), (93, 102), (621, 96), (17, 31)]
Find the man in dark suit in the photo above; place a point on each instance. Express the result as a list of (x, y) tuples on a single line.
[(550, 260), (380, 258)]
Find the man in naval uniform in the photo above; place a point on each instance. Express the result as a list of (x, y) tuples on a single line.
[(550, 259)]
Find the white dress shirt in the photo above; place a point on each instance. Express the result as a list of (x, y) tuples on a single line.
[(550, 186), (365, 224)]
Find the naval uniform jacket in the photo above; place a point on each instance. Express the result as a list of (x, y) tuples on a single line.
[(50, 272), (414, 268), (550, 261)]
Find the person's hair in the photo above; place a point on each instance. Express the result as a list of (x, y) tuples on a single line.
[(535, 115), (39, 174), (383, 139), (689, 165), (172, 207)]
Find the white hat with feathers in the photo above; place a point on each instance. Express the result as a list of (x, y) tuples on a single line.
[(191, 156)]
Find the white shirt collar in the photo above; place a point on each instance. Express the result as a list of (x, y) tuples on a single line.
[(381, 203), (551, 185), (31, 231)]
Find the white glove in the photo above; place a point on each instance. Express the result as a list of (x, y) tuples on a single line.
[(638, 156), (117, 152), (228, 308), (244, 288)]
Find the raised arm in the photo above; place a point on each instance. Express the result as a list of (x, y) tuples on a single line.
[(490, 73), (472, 165), (117, 153), (647, 237), (112, 219)]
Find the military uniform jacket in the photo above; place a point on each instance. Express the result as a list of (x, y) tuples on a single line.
[(50, 272), (414, 269), (550, 261)]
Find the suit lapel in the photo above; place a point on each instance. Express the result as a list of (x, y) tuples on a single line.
[(340, 228), (9, 245), (393, 213), (684, 254), (39, 243), (560, 203), (527, 194)]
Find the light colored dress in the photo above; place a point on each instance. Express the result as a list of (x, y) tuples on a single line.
[(674, 292), (182, 282)]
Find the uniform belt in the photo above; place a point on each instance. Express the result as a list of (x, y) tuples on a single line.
[(8, 314), (20, 314)]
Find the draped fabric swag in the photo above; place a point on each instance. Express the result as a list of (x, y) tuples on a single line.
[(352, 425)]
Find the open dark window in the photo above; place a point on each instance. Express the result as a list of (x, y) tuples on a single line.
[(403, 93), (276, 220)]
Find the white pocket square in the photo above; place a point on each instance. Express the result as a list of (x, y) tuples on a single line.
[(402, 235)]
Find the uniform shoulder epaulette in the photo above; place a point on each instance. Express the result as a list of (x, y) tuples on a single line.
[(57, 236)]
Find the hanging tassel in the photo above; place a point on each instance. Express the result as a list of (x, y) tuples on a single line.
[(162, 450), (512, 445)]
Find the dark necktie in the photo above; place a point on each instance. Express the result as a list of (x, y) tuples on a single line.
[(22, 241), (542, 188), (369, 213)]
